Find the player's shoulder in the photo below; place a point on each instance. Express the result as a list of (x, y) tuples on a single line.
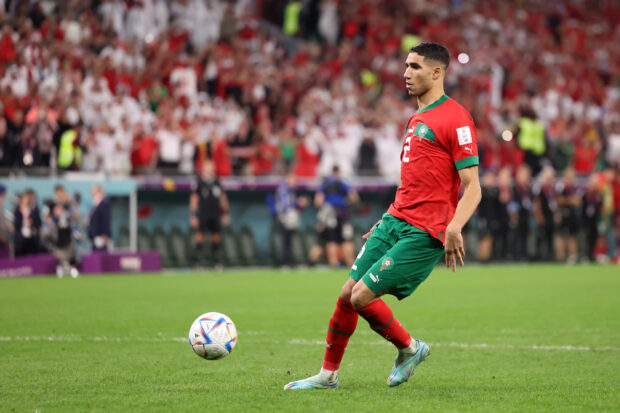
[(458, 112)]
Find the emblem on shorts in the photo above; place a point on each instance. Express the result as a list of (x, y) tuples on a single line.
[(386, 264)]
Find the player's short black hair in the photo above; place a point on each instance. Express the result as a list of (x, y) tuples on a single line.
[(433, 51)]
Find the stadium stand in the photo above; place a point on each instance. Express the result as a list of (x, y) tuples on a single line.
[(166, 84)]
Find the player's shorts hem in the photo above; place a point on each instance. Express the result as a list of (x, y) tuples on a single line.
[(372, 287)]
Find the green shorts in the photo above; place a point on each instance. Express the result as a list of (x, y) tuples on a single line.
[(396, 258)]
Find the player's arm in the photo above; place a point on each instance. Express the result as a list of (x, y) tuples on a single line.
[(455, 250), (224, 208), (193, 209), (366, 235)]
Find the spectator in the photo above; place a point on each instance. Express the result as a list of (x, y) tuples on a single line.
[(569, 199), (27, 225), (99, 230), (143, 151), (591, 205), (487, 212), (288, 206), (13, 140), (168, 136), (5, 228), (523, 200), (333, 199), (504, 216), (545, 214)]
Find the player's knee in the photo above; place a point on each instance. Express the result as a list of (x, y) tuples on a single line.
[(361, 296), (357, 301), (347, 289), (345, 293)]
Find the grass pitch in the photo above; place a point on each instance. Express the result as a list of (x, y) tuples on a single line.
[(503, 338)]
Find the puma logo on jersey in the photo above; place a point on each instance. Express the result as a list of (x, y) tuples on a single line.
[(467, 148)]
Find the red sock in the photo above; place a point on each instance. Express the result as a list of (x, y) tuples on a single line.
[(380, 317), (341, 327)]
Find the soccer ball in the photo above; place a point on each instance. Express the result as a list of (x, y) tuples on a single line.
[(213, 336)]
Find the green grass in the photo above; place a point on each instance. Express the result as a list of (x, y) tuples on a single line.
[(117, 343)]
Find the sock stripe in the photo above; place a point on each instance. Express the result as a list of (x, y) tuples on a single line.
[(339, 332), (382, 327)]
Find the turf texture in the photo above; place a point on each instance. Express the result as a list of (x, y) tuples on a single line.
[(503, 338)]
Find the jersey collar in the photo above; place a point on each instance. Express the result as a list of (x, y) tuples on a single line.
[(436, 103)]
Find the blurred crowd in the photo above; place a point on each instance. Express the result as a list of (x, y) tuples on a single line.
[(29, 227), (261, 87)]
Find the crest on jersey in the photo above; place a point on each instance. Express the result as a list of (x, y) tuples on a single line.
[(422, 131)]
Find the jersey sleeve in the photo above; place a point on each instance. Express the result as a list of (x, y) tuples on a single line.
[(463, 143)]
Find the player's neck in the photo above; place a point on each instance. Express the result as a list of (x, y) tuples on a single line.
[(430, 97)]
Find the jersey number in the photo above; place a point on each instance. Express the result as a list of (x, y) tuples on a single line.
[(362, 251), (407, 149)]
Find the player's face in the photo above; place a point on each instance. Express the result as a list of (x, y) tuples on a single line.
[(418, 75)]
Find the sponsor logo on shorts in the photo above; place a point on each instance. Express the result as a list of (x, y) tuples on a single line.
[(373, 277)]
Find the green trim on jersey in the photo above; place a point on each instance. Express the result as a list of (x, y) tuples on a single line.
[(466, 162), (435, 103), (423, 131)]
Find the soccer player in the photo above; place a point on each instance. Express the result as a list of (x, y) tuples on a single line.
[(425, 220)]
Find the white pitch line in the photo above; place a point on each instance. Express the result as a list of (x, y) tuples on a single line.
[(479, 346), (159, 338)]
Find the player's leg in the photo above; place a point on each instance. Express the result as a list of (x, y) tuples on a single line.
[(343, 322), (379, 315), (332, 250), (407, 264), (215, 229), (573, 253), (199, 239), (341, 327), (333, 237)]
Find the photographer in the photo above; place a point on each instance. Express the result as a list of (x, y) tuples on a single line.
[(62, 213), (333, 199)]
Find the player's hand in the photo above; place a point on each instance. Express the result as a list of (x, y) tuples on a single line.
[(454, 248), (226, 219), (366, 235)]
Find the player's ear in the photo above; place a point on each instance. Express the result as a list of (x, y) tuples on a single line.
[(437, 72)]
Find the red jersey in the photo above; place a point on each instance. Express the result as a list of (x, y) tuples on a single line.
[(439, 141)]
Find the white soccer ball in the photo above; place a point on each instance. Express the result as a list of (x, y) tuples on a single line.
[(213, 336)]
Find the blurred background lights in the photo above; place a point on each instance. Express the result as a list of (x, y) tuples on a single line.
[(463, 58), (507, 135)]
